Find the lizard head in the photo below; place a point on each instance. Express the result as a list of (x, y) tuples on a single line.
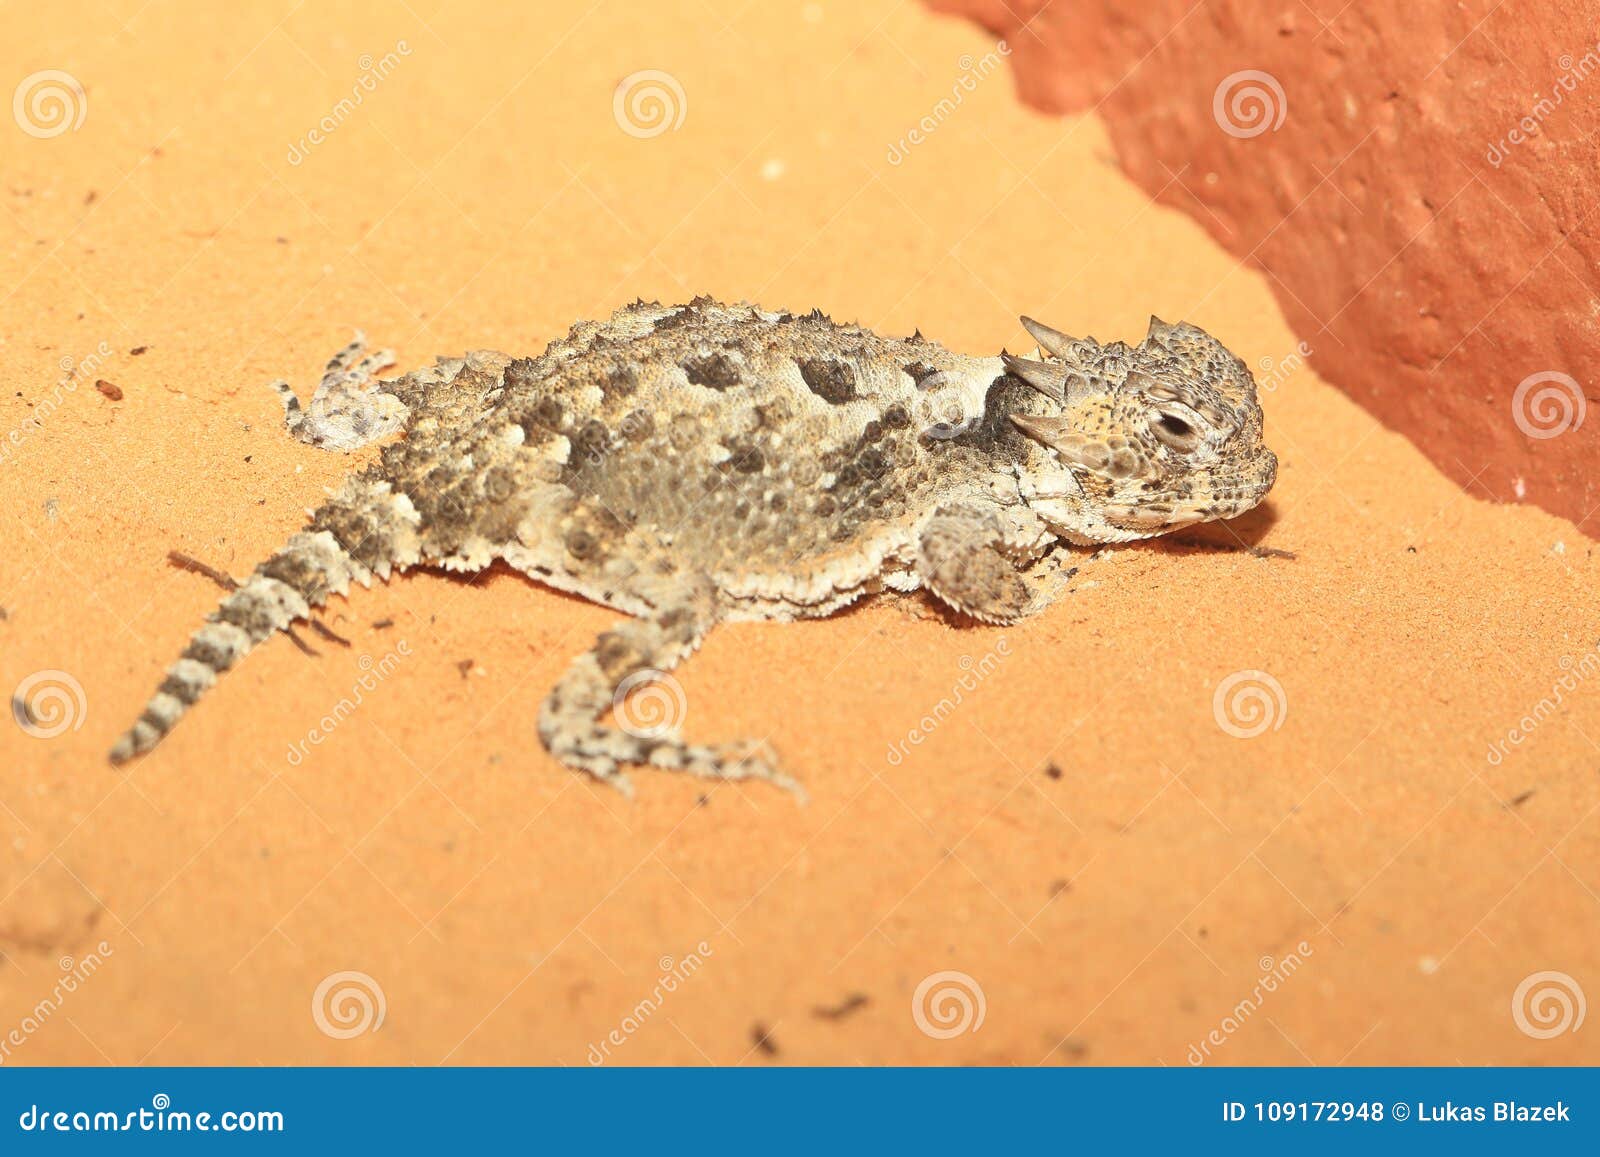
[(1149, 438)]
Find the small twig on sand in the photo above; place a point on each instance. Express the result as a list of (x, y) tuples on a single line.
[(328, 632), (194, 565), (1235, 548)]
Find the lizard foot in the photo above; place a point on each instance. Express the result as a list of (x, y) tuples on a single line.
[(346, 412), (635, 656)]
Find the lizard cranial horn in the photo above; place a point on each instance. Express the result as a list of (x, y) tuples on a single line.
[(1159, 330), (1047, 430), (1049, 380), (1050, 340)]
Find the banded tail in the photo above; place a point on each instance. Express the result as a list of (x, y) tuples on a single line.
[(315, 564)]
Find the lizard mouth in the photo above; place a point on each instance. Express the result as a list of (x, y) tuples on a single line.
[(1153, 516), (1224, 497)]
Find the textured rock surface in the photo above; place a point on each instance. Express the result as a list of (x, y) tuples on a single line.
[(1420, 188)]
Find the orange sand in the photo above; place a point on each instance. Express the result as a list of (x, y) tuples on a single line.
[(483, 195)]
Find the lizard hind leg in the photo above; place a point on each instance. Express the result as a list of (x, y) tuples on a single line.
[(626, 673), (346, 412)]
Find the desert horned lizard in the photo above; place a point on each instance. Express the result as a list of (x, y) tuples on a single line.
[(707, 463)]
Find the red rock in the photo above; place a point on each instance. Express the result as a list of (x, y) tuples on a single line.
[(1427, 209)]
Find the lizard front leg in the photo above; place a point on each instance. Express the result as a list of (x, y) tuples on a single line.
[(345, 413), (969, 555), (631, 656)]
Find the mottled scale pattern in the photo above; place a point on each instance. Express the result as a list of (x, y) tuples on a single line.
[(701, 463), (755, 442)]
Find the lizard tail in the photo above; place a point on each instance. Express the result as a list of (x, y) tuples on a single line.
[(365, 529)]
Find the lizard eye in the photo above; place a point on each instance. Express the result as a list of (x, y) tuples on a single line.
[(1174, 431)]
